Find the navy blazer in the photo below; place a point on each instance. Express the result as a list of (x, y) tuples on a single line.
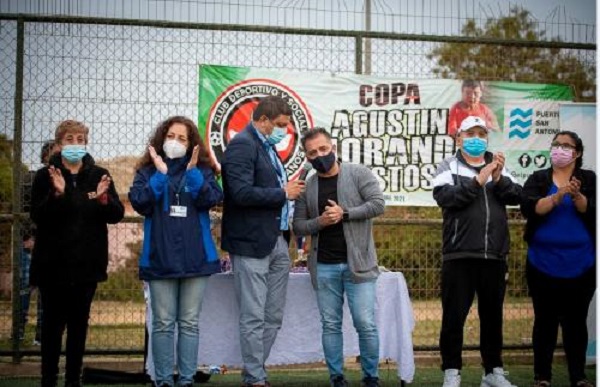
[(253, 197)]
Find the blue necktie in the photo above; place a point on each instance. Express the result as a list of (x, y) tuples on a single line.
[(274, 159), (278, 165)]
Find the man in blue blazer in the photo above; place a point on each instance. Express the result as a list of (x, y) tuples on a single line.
[(255, 215)]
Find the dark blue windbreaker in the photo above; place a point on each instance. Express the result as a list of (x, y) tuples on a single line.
[(176, 247)]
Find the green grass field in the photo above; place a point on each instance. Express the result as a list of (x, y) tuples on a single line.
[(120, 326), (425, 376)]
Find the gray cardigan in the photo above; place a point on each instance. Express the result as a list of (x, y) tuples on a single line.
[(358, 193)]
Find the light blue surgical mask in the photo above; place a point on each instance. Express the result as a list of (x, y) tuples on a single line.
[(277, 135), (73, 153), (474, 146)]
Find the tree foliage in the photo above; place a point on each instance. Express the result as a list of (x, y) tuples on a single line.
[(514, 63), (6, 188), (6, 184)]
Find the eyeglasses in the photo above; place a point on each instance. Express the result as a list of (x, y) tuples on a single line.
[(565, 147)]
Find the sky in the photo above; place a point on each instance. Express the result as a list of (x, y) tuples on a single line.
[(339, 13), (433, 17)]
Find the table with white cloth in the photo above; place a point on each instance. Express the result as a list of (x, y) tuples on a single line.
[(299, 340)]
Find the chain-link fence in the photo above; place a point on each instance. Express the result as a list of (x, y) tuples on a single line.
[(124, 75)]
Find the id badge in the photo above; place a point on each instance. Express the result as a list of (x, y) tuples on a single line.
[(178, 211)]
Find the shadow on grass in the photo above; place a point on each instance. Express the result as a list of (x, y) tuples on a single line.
[(425, 376)]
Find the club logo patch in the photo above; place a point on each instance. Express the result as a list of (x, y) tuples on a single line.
[(232, 111)]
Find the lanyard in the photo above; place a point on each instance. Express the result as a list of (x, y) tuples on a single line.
[(179, 189)]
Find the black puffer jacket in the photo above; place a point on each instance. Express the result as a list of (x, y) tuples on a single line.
[(475, 224), (72, 237)]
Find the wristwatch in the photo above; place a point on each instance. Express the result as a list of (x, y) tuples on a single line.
[(345, 216)]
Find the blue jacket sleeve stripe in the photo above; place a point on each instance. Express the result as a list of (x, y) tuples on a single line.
[(210, 249), (145, 258), (195, 180), (159, 182)]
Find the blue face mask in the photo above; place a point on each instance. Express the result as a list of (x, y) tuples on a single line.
[(277, 135), (73, 153), (474, 146)]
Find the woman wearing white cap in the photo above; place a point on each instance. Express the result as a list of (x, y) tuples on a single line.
[(473, 189)]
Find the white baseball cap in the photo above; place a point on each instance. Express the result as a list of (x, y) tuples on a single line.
[(471, 122)]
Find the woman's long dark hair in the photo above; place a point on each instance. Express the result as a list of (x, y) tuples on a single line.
[(578, 145), (158, 138)]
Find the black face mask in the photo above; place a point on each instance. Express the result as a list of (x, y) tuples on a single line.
[(323, 164)]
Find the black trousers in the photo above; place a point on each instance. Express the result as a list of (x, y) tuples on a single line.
[(461, 280), (65, 305), (564, 302)]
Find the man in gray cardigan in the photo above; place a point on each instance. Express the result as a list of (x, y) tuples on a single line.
[(336, 210)]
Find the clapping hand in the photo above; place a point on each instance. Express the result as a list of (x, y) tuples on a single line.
[(57, 179), (194, 158), (214, 163), (158, 161), (103, 185), (574, 187), (486, 172), (499, 160)]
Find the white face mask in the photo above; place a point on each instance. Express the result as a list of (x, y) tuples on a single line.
[(174, 149)]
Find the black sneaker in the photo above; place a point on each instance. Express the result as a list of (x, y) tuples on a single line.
[(338, 381), (370, 381)]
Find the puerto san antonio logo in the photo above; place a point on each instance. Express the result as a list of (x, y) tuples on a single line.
[(520, 123), (232, 111)]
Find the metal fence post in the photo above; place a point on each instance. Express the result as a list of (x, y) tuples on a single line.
[(17, 197), (358, 54)]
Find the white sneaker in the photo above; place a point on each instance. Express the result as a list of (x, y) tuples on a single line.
[(451, 378), (496, 379)]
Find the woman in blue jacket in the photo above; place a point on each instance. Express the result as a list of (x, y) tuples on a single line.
[(174, 187)]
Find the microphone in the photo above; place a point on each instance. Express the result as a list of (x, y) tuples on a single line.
[(306, 168)]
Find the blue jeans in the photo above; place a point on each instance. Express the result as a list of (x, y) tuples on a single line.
[(333, 280), (175, 302), (24, 291)]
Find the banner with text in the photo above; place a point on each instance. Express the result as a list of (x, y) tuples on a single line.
[(399, 128)]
